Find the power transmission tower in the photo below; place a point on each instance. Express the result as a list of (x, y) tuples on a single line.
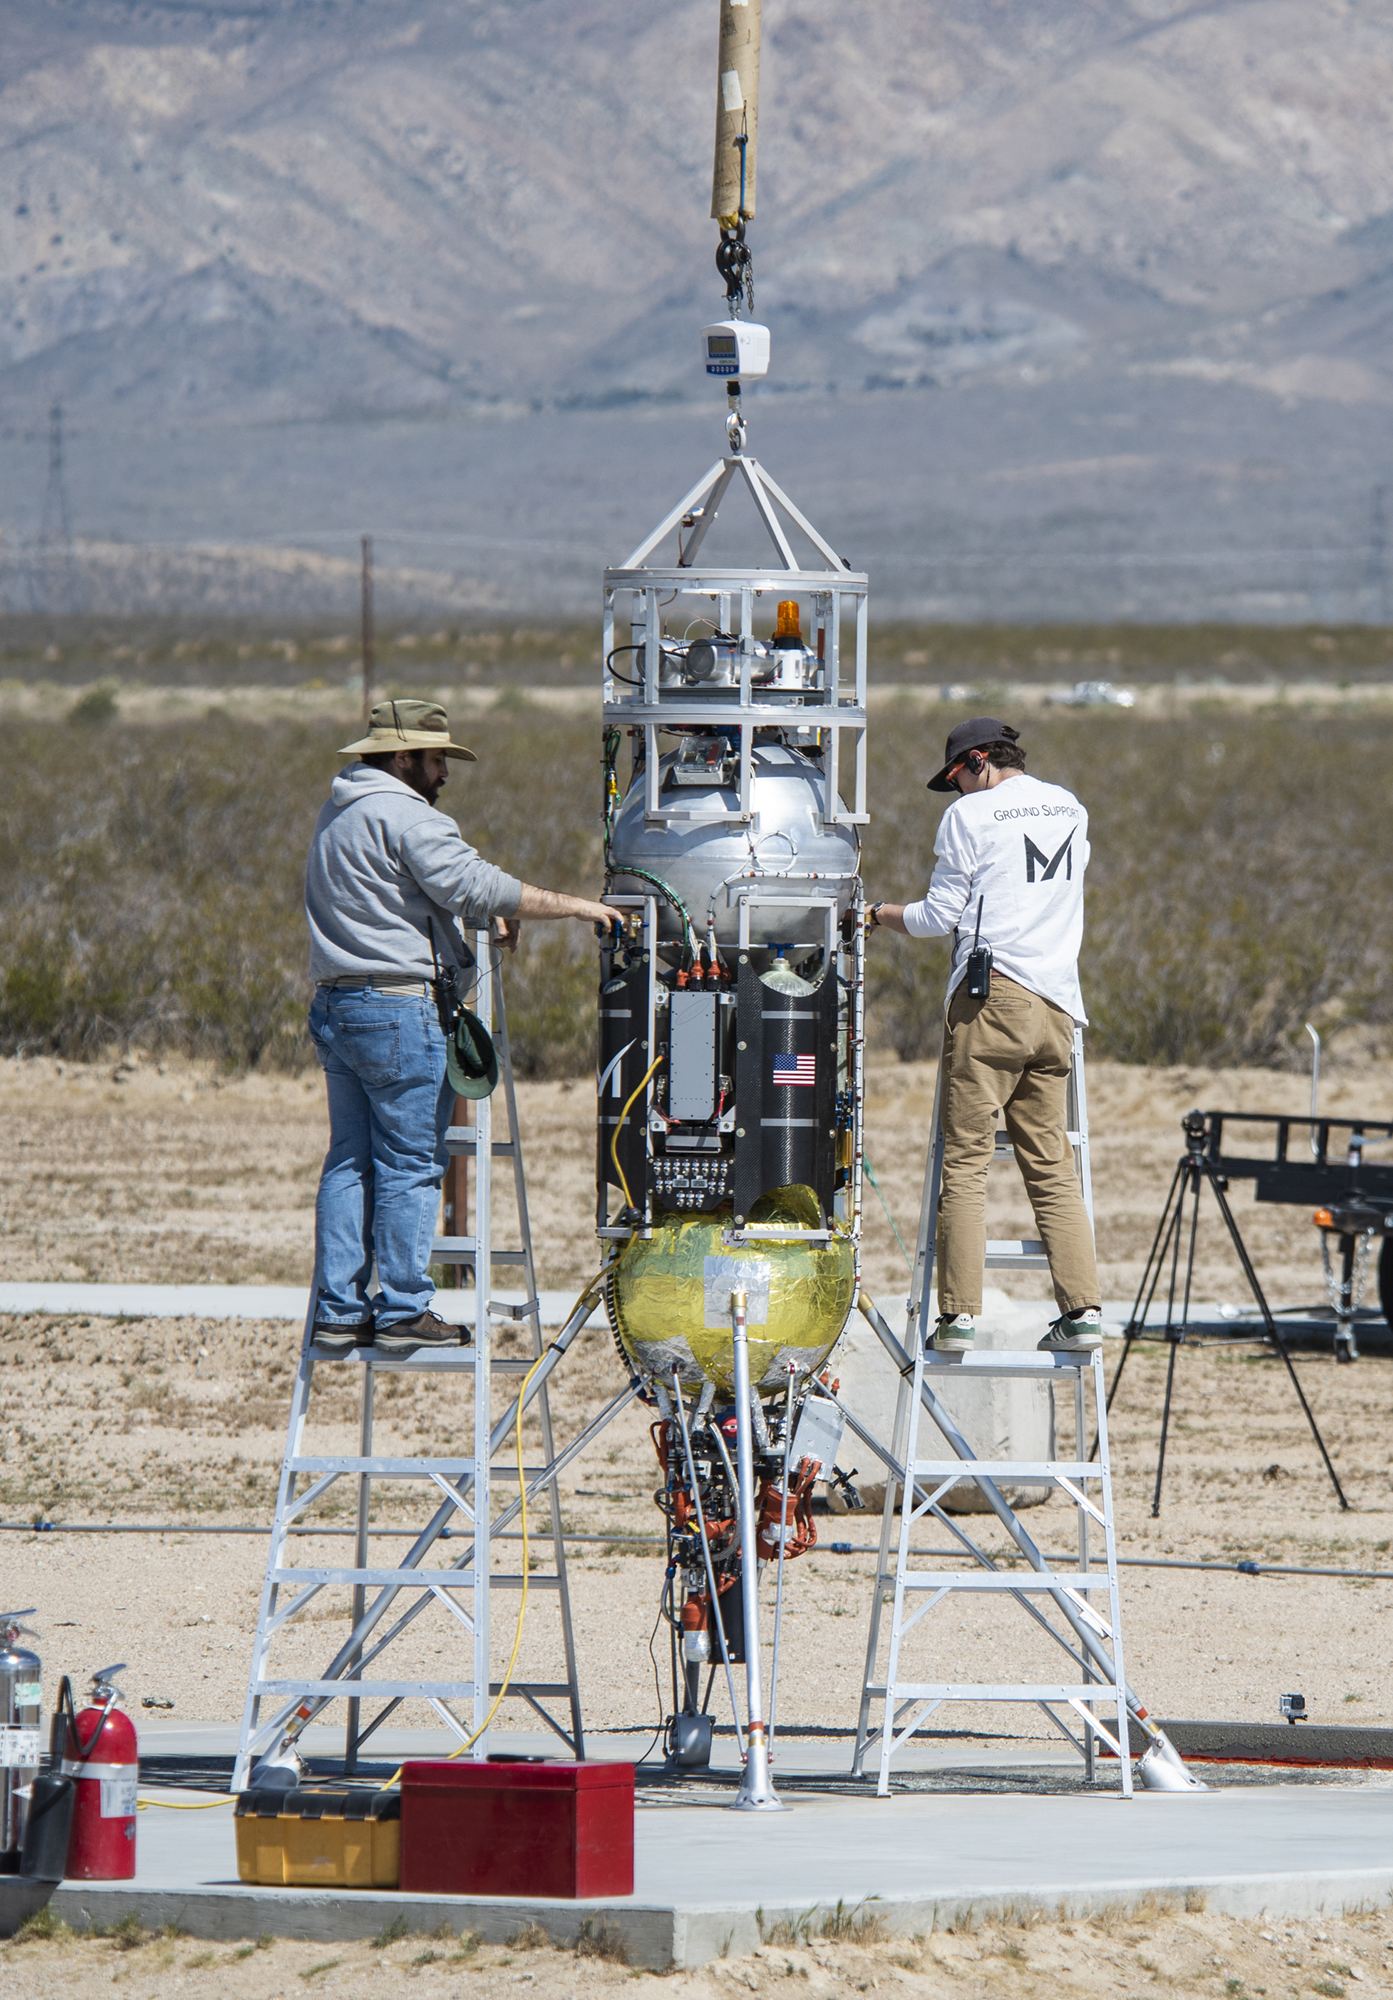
[(54, 580)]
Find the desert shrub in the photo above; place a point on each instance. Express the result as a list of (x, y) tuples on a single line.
[(151, 879), (601, 1938), (151, 883), (1241, 880)]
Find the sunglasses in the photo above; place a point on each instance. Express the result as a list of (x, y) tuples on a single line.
[(950, 776)]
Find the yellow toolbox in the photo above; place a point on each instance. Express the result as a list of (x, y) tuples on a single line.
[(319, 1840)]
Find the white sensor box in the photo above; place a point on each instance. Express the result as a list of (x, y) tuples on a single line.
[(735, 347)]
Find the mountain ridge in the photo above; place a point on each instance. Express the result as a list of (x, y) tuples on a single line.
[(317, 215)]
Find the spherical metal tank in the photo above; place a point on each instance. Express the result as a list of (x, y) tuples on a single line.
[(668, 1296), (785, 837)]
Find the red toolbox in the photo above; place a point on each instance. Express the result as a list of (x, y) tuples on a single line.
[(514, 1828)]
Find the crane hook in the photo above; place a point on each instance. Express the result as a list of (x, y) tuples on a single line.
[(736, 264)]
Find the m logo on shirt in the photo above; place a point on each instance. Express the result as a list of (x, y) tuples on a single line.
[(1048, 865)]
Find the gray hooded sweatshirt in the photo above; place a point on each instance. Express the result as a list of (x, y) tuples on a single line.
[(385, 869)]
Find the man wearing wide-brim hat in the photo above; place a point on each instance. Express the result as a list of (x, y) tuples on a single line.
[(390, 888)]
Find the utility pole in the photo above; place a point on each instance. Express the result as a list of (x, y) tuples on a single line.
[(55, 573), (366, 635)]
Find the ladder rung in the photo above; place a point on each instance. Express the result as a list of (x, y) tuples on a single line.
[(464, 1139), (450, 1357), (1008, 1361), (402, 1690), (385, 1468), (987, 1579), (414, 1468), (1015, 1247), (453, 1579), (293, 1578), (1004, 1468), (447, 1248), (441, 1358), (1099, 1690)]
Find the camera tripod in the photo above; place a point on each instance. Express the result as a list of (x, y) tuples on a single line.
[(1197, 1168)]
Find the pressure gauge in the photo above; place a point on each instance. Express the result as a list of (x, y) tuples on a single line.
[(735, 347)]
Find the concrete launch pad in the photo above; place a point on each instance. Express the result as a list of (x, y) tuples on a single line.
[(708, 1880)]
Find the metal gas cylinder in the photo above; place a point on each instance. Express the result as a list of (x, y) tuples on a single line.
[(100, 1751), (707, 858), (21, 1707)]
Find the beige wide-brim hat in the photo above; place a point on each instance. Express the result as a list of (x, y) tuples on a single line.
[(407, 725)]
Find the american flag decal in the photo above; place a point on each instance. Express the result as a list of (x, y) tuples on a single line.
[(795, 1069)]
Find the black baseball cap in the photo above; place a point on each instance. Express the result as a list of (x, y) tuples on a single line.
[(974, 735)]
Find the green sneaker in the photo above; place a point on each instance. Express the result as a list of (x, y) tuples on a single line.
[(1074, 1333), (954, 1333)]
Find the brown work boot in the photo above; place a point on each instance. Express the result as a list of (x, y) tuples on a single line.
[(410, 1336), (337, 1342)]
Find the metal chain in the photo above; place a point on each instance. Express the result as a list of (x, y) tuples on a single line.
[(1357, 1276), (736, 264)]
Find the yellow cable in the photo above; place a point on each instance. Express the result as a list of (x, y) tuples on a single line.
[(623, 1119), (168, 1805), (470, 1741), (522, 1605), (591, 1291)]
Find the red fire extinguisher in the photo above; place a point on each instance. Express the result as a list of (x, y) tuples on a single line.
[(98, 1749)]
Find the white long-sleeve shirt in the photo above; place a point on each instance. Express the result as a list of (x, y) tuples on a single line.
[(1021, 849)]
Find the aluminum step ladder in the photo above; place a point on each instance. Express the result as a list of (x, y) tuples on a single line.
[(1063, 1602), (461, 1586)]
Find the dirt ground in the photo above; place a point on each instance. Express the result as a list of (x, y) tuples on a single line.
[(132, 1171), (1153, 1947), (139, 1173)]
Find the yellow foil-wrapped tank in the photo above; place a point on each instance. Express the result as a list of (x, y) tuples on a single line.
[(669, 1295)]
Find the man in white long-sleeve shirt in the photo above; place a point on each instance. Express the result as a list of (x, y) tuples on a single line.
[(1009, 877)]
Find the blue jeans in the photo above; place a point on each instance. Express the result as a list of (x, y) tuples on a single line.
[(383, 1058)]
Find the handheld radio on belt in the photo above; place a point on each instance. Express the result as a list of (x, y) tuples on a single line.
[(979, 962)]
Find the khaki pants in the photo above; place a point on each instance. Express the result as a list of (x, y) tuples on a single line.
[(1009, 1053)]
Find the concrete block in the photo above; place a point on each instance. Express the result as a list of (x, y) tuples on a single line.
[(1012, 1420)]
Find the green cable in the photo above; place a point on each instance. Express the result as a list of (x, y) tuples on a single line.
[(871, 1177), (642, 874), (611, 742)]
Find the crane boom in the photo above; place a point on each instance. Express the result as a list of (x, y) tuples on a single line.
[(737, 113)]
